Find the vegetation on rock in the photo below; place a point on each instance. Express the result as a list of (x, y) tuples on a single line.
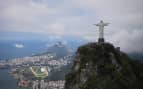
[(102, 66)]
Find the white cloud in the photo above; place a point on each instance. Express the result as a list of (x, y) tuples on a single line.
[(126, 18), (19, 45), (75, 18)]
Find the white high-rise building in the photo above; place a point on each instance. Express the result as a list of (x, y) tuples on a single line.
[(35, 84), (42, 84)]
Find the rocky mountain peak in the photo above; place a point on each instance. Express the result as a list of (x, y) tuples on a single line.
[(102, 66)]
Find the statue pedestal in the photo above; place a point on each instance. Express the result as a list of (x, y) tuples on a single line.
[(101, 40)]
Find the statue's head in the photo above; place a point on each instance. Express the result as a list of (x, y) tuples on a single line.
[(101, 21)]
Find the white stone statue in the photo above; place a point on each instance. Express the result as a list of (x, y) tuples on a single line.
[(101, 26)]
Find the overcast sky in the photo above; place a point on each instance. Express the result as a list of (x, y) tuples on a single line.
[(76, 18)]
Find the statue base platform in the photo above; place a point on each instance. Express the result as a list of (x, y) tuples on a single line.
[(101, 40)]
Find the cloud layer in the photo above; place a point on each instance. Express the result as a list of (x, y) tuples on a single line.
[(76, 18)]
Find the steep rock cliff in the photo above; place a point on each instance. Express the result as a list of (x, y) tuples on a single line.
[(102, 66)]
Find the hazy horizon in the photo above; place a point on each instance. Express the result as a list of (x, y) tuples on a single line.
[(58, 19)]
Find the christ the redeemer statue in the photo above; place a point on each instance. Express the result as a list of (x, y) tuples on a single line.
[(101, 26)]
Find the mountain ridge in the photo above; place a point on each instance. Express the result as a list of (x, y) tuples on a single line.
[(102, 66), (58, 50)]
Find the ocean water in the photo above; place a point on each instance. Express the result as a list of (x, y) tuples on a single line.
[(6, 81), (14, 49), (10, 49)]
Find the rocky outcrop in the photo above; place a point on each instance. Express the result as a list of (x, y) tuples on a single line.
[(102, 66)]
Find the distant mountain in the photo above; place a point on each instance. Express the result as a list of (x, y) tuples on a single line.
[(37, 44), (59, 50), (102, 66)]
